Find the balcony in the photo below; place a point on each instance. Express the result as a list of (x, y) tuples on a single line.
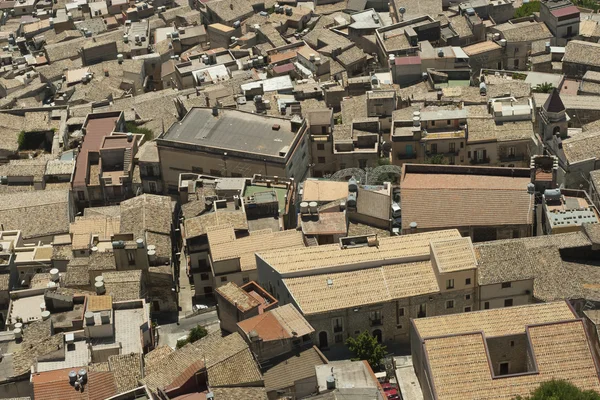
[(409, 156), (421, 314), (376, 321), (443, 153), (511, 158), (480, 161), (338, 329)]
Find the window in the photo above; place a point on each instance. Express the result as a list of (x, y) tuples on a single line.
[(452, 147), (462, 145), (203, 277), (512, 343), (450, 304), (375, 317), (131, 257), (432, 123), (321, 160), (468, 154), (448, 122), (569, 30), (401, 312), (398, 326), (506, 285), (450, 284), (409, 149), (323, 130), (503, 370), (215, 172), (467, 281), (362, 163), (422, 311), (197, 170), (338, 325), (512, 151), (467, 297), (508, 303), (155, 305), (434, 148), (153, 188), (516, 63), (320, 146), (468, 309), (81, 195), (486, 305), (223, 279)]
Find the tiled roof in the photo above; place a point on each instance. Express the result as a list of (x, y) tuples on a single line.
[(451, 200), (36, 213), (453, 255), (459, 364), (244, 248), (584, 146), (123, 285), (54, 385), (238, 366), (324, 191), (495, 322), (147, 212), (198, 226), (242, 300), (580, 52), (236, 393), (486, 129), (282, 322), (127, 369), (335, 291), (390, 250), (525, 31), (153, 360), (295, 368), (239, 369), (37, 341), (99, 303)]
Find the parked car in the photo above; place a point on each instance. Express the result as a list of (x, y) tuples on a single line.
[(396, 210)]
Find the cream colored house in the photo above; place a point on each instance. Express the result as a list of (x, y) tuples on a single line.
[(373, 284)]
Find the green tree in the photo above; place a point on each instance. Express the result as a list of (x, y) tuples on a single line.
[(195, 334), (560, 390), (133, 128), (543, 88), (527, 9), (366, 347), (436, 159)]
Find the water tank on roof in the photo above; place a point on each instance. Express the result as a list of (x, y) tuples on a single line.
[(313, 206), (72, 377), (352, 185), (330, 382), (45, 315), (54, 275), (482, 88), (304, 207), (140, 243), (99, 278), (82, 375), (552, 194), (100, 289), (18, 333), (89, 318), (351, 200)]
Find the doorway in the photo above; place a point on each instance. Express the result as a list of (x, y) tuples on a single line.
[(323, 340), (377, 333)]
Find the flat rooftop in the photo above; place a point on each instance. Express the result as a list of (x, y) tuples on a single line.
[(234, 130)]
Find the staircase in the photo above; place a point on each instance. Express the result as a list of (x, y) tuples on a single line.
[(127, 160)]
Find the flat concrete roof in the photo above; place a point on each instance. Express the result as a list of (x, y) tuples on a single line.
[(234, 130)]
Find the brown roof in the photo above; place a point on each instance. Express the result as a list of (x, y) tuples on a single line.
[(453, 200), (127, 369), (99, 303), (280, 323), (236, 393), (459, 363), (54, 385), (237, 296), (324, 191), (295, 368), (96, 129)]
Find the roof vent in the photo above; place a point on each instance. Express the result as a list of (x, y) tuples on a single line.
[(329, 282)]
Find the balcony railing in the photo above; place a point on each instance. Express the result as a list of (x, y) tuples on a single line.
[(513, 157), (480, 161), (337, 329), (443, 153), (407, 156), (376, 321)]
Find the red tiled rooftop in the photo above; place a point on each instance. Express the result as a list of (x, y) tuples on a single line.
[(266, 325), (411, 60), (281, 69), (96, 130), (54, 385), (562, 12)]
